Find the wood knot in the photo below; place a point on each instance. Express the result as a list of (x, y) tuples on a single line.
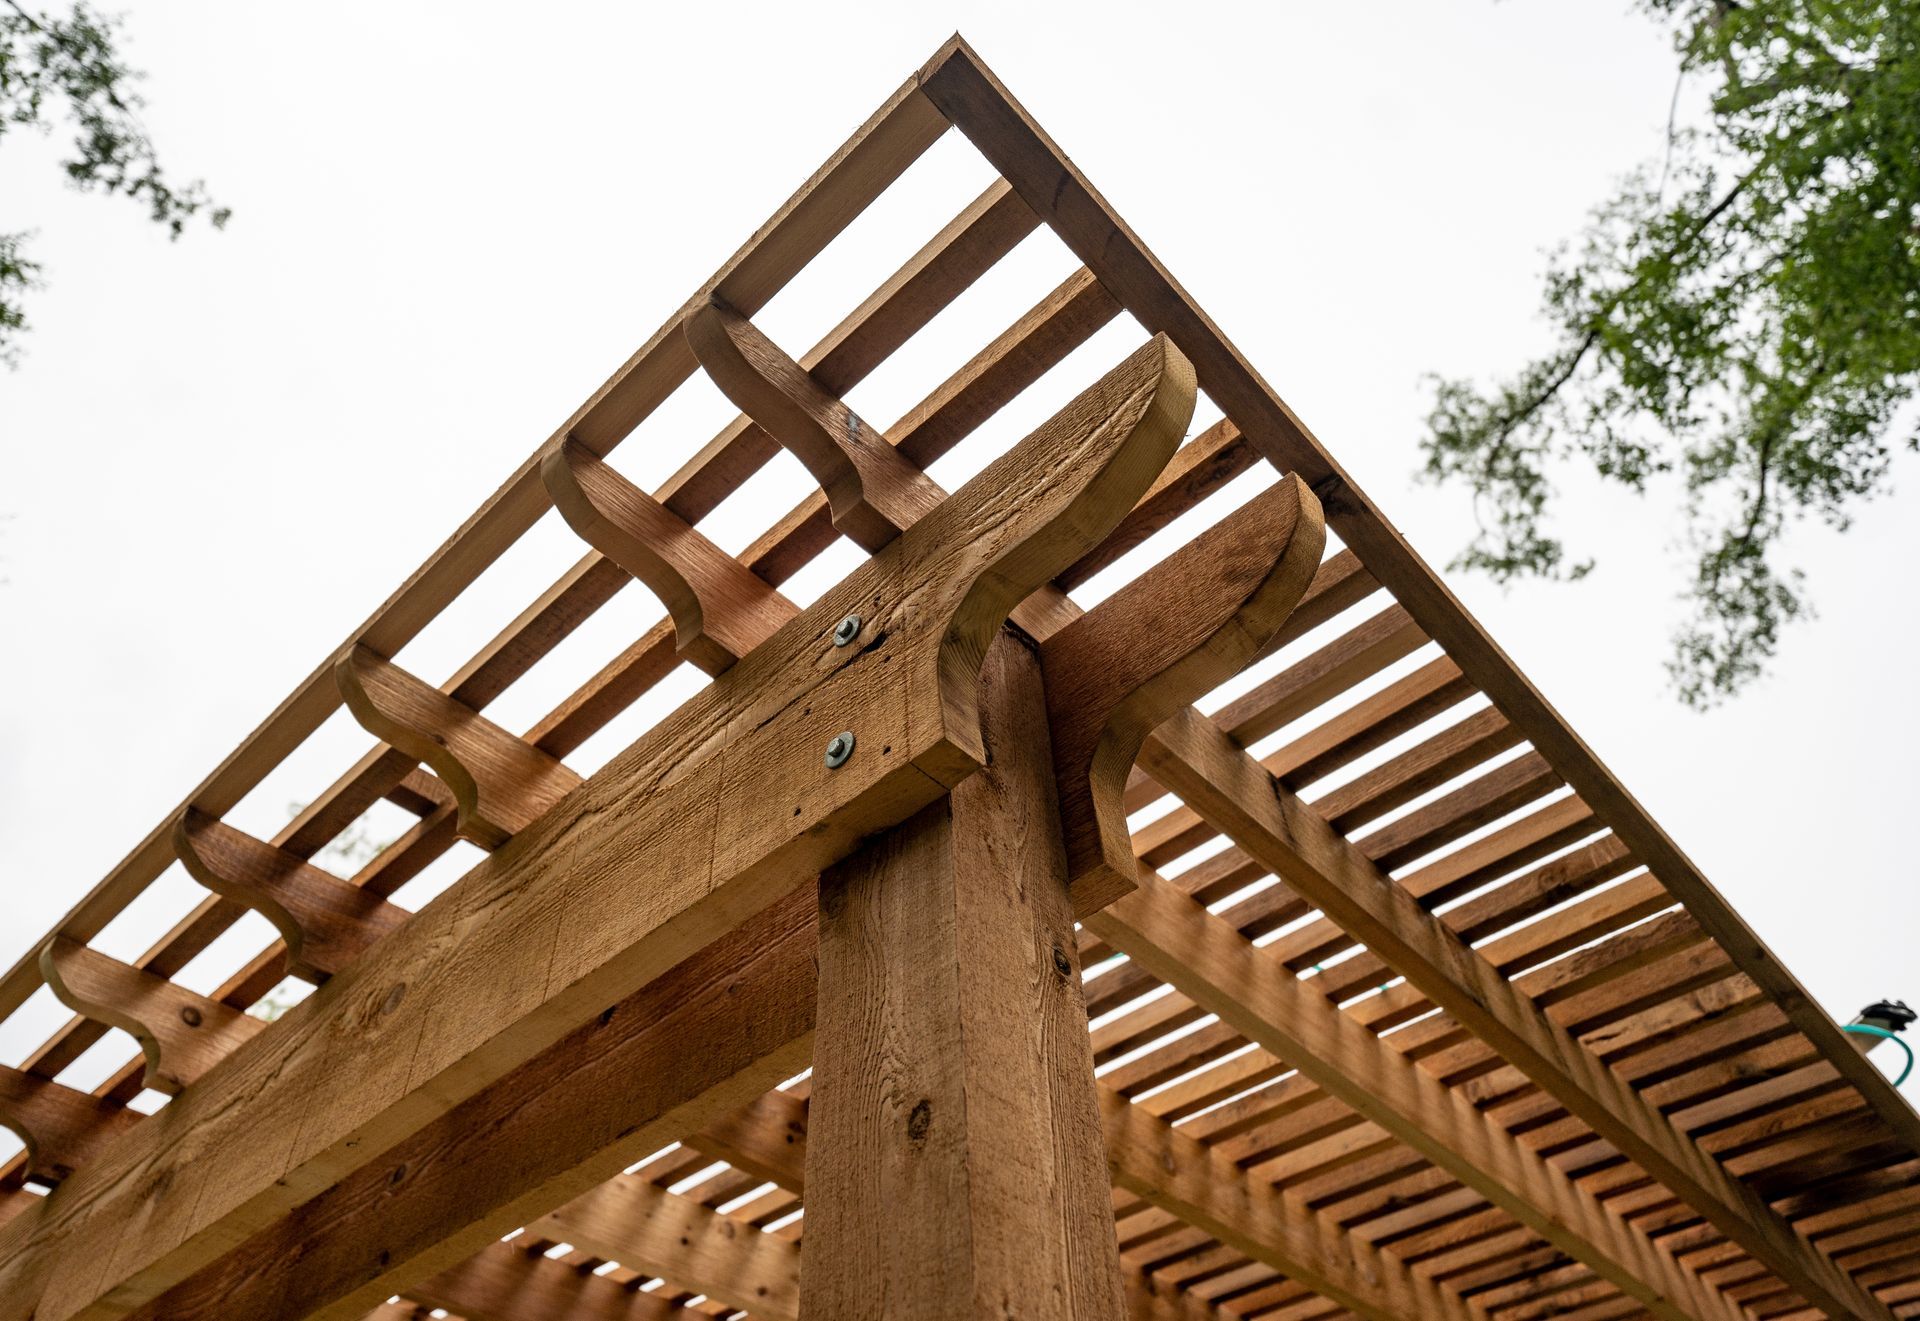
[(920, 1121), (1061, 964), (190, 1015), (394, 997)]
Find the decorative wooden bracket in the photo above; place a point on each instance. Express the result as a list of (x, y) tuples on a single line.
[(716, 813), (873, 492), (181, 1032), (1158, 644), (325, 922), (721, 609), (501, 784), (62, 1128)]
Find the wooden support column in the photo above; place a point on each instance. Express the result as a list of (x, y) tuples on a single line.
[(955, 1163), (594, 898)]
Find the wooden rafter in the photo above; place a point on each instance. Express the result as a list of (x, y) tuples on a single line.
[(1420, 1034)]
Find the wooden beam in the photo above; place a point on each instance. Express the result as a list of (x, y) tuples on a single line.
[(873, 491), (1222, 782), (955, 1166), (480, 981), (742, 1012), (687, 1050), (325, 922), (643, 1226), (1202, 955), (504, 1283), (861, 170), (1155, 1161), (975, 101), (1165, 639), (501, 783), (181, 1033), (61, 1127), (721, 609)]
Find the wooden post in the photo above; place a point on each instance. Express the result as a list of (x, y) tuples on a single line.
[(955, 1161)]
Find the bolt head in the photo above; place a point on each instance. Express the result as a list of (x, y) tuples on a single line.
[(846, 630), (839, 748)]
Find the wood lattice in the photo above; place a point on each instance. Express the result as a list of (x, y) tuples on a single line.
[(1400, 1005)]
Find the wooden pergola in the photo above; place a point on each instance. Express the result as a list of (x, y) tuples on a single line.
[(943, 911)]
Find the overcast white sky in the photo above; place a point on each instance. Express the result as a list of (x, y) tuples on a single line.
[(452, 222)]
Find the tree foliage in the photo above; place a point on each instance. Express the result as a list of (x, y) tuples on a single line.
[(67, 68), (1744, 313)]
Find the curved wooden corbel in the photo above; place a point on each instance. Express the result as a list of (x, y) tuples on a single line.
[(181, 1032), (1126, 426), (721, 609), (501, 783), (325, 922), (61, 1127), (1158, 644), (873, 493), (768, 738)]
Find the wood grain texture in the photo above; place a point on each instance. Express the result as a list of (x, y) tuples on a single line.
[(480, 981), (688, 1049), (181, 1033), (62, 1128), (1161, 642), (501, 783), (1208, 960), (638, 1224), (975, 101), (954, 1163), (325, 922), (720, 609), (1223, 783), (874, 494)]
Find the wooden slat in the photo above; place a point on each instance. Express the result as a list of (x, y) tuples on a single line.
[(181, 1033), (1224, 783), (891, 140), (942, 589), (1208, 960), (720, 609), (1156, 1161), (504, 1283), (501, 784), (687, 1049), (637, 1224), (974, 100)]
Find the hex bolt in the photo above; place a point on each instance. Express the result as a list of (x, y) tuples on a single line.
[(846, 630), (839, 748)]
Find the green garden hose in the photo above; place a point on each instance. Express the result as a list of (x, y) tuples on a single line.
[(1868, 1030)]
